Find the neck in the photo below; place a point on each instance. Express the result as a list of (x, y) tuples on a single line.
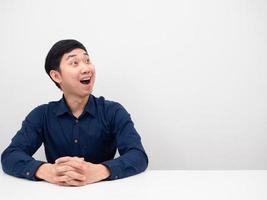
[(76, 104)]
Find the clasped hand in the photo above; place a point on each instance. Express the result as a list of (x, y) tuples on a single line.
[(72, 171)]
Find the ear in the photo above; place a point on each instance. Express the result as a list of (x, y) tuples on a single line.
[(56, 76)]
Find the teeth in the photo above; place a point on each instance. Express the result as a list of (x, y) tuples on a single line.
[(86, 79)]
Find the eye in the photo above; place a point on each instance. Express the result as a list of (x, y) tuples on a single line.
[(74, 63)]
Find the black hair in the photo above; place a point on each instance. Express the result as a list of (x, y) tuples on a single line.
[(56, 53)]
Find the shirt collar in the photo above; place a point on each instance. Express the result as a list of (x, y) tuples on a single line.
[(63, 108)]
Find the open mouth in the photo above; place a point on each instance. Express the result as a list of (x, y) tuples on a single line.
[(85, 82)]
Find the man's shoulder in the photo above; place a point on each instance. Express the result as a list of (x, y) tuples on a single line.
[(47, 105), (106, 103), (44, 107), (110, 108)]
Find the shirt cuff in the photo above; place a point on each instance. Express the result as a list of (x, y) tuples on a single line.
[(30, 170), (115, 169)]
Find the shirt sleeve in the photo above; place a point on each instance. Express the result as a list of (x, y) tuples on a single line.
[(17, 158), (132, 159)]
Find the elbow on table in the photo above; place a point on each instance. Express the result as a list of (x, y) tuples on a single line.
[(4, 163), (144, 162)]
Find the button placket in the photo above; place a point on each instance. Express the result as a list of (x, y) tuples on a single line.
[(76, 137)]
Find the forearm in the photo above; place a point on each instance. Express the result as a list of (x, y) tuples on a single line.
[(18, 163)]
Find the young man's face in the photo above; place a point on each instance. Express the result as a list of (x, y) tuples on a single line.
[(77, 73)]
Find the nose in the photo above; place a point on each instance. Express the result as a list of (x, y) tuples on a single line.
[(85, 68)]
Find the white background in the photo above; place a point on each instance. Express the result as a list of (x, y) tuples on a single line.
[(191, 73)]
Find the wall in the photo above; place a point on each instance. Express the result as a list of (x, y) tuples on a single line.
[(191, 73)]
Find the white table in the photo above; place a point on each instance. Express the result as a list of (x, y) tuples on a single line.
[(152, 184)]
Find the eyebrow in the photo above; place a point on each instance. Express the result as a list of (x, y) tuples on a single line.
[(73, 55)]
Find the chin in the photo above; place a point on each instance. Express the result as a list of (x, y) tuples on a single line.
[(85, 94)]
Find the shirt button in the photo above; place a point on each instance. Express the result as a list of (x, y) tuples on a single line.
[(75, 141), (27, 173), (76, 120)]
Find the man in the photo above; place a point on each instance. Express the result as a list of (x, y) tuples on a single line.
[(80, 132)]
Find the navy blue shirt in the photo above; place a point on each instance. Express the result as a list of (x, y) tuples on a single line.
[(103, 127)]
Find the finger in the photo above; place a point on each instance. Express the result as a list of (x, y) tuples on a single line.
[(63, 184), (68, 158), (63, 168), (75, 183), (63, 179), (63, 159), (79, 159), (76, 165), (76, 176)]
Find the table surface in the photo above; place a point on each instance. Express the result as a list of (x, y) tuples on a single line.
[(152, 184)]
